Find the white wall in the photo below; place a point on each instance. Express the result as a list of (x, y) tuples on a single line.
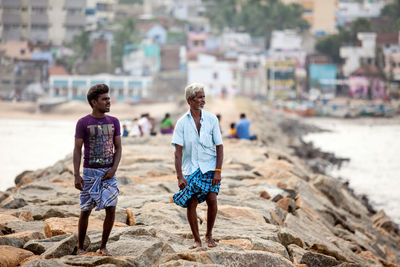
[(204, 69)]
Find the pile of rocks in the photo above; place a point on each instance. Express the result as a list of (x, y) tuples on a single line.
[(273, 211)]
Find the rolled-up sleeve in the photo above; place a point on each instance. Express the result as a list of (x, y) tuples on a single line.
[(177, 137)]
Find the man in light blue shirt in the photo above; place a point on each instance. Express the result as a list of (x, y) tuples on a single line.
[(243, 128), (198, 156)]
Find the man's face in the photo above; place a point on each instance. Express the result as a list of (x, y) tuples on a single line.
[(198, 101), (102, 103)]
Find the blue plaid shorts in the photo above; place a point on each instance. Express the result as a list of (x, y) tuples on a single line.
[(198, 184)]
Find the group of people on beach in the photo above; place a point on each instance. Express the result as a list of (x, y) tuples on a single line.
[(198, 160), (241, 129), (146, 125)]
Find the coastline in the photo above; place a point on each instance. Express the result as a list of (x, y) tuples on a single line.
[(272, 207)]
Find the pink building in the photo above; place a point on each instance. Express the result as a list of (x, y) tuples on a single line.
[(196, 43), (366, 82)]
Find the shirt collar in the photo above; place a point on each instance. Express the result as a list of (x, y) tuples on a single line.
[(190, 114)]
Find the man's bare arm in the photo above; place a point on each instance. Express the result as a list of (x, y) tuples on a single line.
[(178, 166), (220, 159), (77, 155)]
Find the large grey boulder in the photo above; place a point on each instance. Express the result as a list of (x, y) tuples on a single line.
[(64, 247)]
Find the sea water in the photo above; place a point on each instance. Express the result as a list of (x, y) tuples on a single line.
[(373, 146)]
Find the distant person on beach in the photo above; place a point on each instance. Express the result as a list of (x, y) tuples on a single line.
[(219, 117), (134, 128), (167, 125), (198, 161), (101, 137), (145, 125), (243, 128), (125, 131), (232, 131)]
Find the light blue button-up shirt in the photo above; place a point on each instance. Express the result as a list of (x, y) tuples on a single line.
[(198, 150)]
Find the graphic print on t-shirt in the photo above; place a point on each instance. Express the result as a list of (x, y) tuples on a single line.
[(101, 144)]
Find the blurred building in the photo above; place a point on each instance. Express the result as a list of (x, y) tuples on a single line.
[(285, 74), (99, 12), (17, 75), (366, 82), (320, 14), (122, 88), (322, 77), (355, 56), (42, 21), (142, 60), (388, 55), (215, 74), (349, 11)]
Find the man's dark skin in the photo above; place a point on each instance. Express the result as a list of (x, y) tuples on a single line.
[(99, 108), (196, 104)]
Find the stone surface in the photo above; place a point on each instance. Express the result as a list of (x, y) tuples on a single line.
[(40, 246), (61, 226), (318, 260), (44, 263), (64, 247), (306, 217), (19, 239), (11, 256)]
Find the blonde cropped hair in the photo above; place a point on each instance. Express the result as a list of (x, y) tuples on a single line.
[(192, 89)]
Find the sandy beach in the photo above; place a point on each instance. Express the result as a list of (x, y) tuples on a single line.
[(76, 109)]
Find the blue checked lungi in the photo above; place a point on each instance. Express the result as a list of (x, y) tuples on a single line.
[(98, 193), (198, 184)]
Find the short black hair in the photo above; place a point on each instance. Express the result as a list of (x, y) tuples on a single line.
[(95, 91), (242, 115)]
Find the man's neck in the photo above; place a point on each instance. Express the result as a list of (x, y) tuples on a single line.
[(196, 113), (98, 114)]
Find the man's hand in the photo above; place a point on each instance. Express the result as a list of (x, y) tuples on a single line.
[(78, 182), (108, 175), (217, 178), (182, 183)]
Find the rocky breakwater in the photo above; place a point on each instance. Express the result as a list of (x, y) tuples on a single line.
[(273, 211)]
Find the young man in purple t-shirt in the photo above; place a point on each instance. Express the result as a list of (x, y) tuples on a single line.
[(101, 137)]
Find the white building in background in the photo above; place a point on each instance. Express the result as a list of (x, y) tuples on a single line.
[(122, 88), (233, 42), (355, 56), (348, 11), (287, 45), (215, 74), (249, 74)]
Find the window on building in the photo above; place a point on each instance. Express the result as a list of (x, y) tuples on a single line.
[(215, 76), (74, 11), (6, 82), (38, 10), (39, 27), (101, 7), (10, 27)]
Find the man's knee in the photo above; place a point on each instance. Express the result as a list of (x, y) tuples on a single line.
[(110, 210), (211, 198), (85, 213), (192, 202)]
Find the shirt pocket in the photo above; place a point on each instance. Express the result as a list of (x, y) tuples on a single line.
[(206, 136)]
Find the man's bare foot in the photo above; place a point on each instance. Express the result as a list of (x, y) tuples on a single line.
[(196, 244), (104, 252), (210, 241), (80, 252)]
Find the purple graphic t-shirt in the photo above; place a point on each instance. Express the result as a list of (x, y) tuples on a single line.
[(98, 140)]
